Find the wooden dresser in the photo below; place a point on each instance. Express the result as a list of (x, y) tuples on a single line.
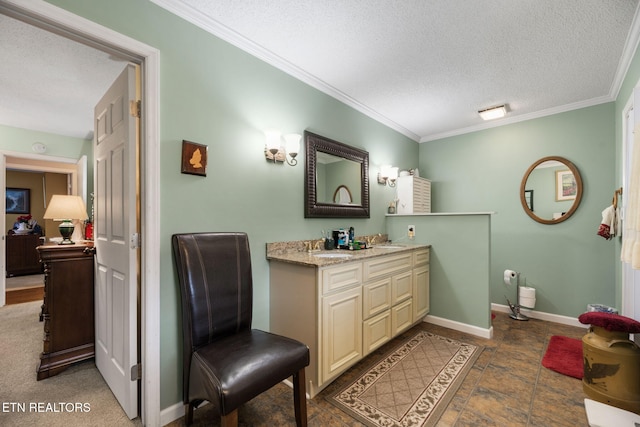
[(22, 256), (67, 310)]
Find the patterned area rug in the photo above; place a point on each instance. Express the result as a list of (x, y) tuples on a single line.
[(412, 385)]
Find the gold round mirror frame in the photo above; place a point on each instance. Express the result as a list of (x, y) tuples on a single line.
[(576, 202)]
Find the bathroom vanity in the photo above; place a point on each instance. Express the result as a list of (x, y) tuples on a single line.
[(345, 304)]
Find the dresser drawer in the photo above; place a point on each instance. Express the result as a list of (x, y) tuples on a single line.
[(387, 265)]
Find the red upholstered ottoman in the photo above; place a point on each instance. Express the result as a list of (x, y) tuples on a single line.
[(611, 360)]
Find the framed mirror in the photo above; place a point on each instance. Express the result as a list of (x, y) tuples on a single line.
[(551, 190), (336, 179)]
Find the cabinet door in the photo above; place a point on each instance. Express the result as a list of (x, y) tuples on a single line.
[(420, 292), (377, 297), (401, 317), (376, 331), (341, 332), (401, 287)]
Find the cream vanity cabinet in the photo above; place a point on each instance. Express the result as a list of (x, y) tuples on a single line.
[(344, 311)]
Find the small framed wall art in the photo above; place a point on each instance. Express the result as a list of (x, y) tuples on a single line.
[(18, 200), (194, 158)]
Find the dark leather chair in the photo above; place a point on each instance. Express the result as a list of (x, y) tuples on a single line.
[(225, 361)]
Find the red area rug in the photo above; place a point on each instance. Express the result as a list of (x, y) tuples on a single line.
[(564, 355)]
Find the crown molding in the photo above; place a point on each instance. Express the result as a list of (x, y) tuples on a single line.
[(225, 33)]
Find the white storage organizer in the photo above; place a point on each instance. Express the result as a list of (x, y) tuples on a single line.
[(414, 195)]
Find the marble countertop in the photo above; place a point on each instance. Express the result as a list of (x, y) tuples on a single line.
[(339, 256)]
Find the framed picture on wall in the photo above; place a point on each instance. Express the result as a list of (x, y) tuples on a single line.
[(194, 158), (18, 200), (566, 186)]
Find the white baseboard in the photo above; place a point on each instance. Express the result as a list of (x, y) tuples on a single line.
[(462, 327), (556, 318), (172, 413)]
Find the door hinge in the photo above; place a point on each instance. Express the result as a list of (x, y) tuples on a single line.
[(135, 241), (135, 108), (136, 372)]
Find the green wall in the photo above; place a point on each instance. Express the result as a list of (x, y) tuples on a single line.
[(215, 94), (21, 140), (459, 263), (568, 264)]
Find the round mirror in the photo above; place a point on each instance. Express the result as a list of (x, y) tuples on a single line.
[(551, 190)]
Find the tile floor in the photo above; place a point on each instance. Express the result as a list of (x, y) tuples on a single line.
[(506, 387)]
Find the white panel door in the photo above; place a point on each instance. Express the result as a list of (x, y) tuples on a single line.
[(114, 229)]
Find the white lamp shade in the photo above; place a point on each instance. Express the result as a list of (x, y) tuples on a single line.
[(393, 173), (272, 140), (292, 141), (385, 170), (66, 207)]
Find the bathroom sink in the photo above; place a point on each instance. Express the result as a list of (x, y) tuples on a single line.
[(333, 255), (388, 247)]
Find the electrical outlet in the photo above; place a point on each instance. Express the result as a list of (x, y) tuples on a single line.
[(411, 231)]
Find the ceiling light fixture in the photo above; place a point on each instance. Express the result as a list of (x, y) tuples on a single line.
[(493, 112)]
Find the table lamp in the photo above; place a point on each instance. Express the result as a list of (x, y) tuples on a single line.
[(66, 208)]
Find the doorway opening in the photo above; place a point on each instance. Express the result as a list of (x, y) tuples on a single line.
[(60, 21)]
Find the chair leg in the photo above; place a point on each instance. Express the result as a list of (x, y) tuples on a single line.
[(300, 398), (188, 413), (229, 420)]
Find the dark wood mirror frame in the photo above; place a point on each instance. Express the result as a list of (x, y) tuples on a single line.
[(576, 202), (312, 208)]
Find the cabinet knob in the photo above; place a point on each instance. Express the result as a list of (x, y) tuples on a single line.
[(89, 250)]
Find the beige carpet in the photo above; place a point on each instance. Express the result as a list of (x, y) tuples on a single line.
[(76, 397), (412, 385)]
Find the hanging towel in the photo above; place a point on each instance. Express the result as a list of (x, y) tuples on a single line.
[(609, 222)]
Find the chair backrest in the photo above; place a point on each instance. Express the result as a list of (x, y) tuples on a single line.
[(214, 273)]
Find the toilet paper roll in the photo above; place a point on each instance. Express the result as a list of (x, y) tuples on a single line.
[(527, 297), (508, 275)]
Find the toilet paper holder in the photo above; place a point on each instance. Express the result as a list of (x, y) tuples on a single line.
[(515, 308)]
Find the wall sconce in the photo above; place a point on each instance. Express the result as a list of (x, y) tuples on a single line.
[(388, 175), (493, 112), (274, 150)]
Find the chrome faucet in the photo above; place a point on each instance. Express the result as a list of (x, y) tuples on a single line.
[(372, 239)]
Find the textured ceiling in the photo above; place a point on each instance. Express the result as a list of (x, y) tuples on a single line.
[(49, 83), (423, 67)]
